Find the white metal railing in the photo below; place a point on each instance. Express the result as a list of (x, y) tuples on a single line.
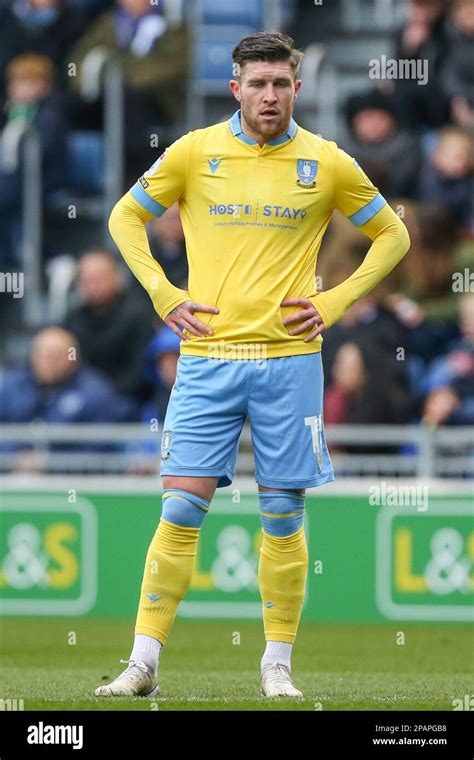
[(32, 200), (407, 450), (32, 225)]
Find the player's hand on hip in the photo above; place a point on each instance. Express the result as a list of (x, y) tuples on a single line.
[(182, 316), (309, 317)]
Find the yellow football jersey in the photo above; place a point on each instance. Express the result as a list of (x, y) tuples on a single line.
[(253, 219)]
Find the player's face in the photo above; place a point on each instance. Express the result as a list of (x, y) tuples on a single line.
[(266, 92)]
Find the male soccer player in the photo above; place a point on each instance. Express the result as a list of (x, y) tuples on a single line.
[(256, 194)]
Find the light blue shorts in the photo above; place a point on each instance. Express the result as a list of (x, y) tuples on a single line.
[(283, 401)]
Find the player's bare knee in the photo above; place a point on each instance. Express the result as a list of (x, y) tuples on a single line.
[(263, 489), (203, 487)]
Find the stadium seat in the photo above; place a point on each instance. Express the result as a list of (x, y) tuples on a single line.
[(86, 160), (214, 56), (353, 52), (84, 185), (217, 28), (238, 12), (287, 12)]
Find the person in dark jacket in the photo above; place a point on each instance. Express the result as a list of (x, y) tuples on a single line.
[(365, 387), (449, 382), (57, 387), (153, 57), (162, 355), (112, 328), (45, 27), (447, 175), (386, 151), (457, 72), (32, 102), (423, 37), (168, 247)]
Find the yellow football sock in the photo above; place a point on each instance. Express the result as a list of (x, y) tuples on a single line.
[(282, 575), (168, 571)]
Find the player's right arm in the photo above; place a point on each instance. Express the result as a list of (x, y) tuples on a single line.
[(151, 196)]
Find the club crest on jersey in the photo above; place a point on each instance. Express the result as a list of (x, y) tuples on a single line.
[(307, 171), (154, 167)]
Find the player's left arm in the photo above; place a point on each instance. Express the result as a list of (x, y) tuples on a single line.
[(358, 199)]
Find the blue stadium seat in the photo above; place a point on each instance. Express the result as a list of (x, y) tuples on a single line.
[(214, 55), (288, 12), (241, 12), (86, 161)]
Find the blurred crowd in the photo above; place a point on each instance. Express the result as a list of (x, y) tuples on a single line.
[(404, 353), (50, 54), (414, 358)]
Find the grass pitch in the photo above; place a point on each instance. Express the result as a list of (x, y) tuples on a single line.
[(203, 667)]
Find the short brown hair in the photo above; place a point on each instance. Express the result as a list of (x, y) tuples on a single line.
[(30, 66), (267, 46)]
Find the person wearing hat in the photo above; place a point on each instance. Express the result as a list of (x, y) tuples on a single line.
[(162, 357), (387, 152)]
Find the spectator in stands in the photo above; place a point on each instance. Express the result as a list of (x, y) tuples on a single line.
[(457, 74), (162, 359), (369, 321), (57, 387), (422, 34), (388, 153), (91, 8), (153, 58), (447, 176), (423, 37), (426, 303), (46, 27), (167, 245), (32, 102), (449, 384), (112, 329), (364, 388), (162, 355), (427, 273)]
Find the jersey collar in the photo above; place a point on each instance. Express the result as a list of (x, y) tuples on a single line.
[(236, 129)]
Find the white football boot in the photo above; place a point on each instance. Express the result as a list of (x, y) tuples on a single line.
[(135, 681), (276, 682)]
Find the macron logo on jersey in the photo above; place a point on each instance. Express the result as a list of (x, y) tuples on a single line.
[(214, 164)]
